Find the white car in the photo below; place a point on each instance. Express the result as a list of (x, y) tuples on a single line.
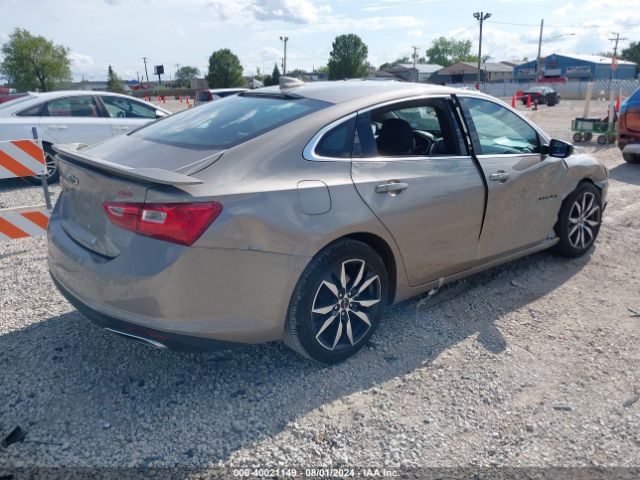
[(73, 117)]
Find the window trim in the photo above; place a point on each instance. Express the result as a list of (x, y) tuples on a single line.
[(309, 150)]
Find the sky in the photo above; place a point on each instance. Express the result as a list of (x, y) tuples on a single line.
[(120, 33)]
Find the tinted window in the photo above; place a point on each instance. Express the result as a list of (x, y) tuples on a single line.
[(83, 106), (119, 107), (500, 131), (227, 94), (35, 111), (228, 122), (338, 141), (202, 96)]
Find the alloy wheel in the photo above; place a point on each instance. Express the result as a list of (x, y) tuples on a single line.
[(51, 165), (344, 304), (584, 219)]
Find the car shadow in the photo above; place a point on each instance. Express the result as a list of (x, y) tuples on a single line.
[(68, 380), (626, 172)]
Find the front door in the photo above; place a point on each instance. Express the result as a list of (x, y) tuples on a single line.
[(412, 169), (524, 187)]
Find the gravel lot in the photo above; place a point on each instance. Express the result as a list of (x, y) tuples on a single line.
[(531, 364)]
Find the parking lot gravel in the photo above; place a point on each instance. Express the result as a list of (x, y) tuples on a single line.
[(531, 364)]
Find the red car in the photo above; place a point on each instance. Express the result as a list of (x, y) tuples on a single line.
[(629, 128), (11, 96)]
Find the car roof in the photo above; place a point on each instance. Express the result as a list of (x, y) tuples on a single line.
[(352, 90)]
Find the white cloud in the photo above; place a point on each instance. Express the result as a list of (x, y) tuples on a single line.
[(294, 11), (81, 62), (563, 10), (417, 33)]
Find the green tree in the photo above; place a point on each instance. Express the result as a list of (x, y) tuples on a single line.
[(348, 57), (32, 62), (274, 78), (447, 51), (632, 53), (185, 74), (114, 83), (225, 70)]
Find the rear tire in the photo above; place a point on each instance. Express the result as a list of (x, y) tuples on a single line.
[(52, 168), (337, 303), (577, 137), (631, 157), (588, 136), (579, 221)]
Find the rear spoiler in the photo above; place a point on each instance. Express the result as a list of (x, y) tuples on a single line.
[(155, 175)]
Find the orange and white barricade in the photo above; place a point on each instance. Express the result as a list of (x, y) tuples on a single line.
[(21, 158), (23, 222), (24, 158)]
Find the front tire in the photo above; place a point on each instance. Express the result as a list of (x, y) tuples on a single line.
[(338, 302), (579, 221)]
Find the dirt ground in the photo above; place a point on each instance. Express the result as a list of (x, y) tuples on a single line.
[(532, 364)]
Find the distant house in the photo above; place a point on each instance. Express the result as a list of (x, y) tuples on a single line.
[(467, 72), (575, 67), (405, 71)]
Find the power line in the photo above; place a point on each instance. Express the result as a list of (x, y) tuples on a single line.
[(553, 26)]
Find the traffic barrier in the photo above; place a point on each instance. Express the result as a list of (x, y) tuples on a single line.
[(24, 158), (21, 158), (23, 222), (513, 101)]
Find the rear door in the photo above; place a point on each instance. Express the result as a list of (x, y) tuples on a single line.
[(75, 119), (428, 192), (524, 187), (126, 114)]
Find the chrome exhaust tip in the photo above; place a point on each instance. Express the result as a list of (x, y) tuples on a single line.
[(137, 338)]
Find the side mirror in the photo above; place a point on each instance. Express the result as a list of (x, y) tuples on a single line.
[(558, 149), (160, 114)]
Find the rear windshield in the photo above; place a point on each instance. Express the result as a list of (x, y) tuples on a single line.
[(228, 122)]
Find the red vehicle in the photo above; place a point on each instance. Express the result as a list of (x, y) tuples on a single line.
[(11, 96), (629, 128)]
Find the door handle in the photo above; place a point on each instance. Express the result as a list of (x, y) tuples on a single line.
[(392, 187), (123, 127), (500, 176), (57, 127)]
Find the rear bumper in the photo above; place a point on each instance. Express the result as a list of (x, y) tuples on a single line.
[(155, 338), (224, 296)]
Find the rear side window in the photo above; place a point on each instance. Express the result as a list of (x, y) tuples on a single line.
[(338, 141), (202, 96), (228, 122), (35, 111), (82, 106)]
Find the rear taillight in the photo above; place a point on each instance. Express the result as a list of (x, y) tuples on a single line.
[(174, 222)]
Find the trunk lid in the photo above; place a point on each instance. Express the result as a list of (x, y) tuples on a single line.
[(117, 171)]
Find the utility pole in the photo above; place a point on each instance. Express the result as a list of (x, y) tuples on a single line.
[(144, 59), (539, 51), (415, 59), (614, 60), (481, 17), (284, 61)]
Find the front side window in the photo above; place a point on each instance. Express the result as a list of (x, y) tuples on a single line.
[(423, 129), (82, 106), (119, 107), (228, 122), (500, 131)]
